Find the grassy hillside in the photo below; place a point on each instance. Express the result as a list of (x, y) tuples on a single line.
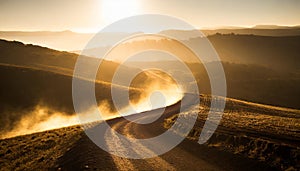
[(34, 77), (265, 133)]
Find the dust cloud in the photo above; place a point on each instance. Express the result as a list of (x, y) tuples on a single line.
[(43, 118), (157, 92)]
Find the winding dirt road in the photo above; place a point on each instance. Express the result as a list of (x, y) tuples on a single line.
[(188, 155)]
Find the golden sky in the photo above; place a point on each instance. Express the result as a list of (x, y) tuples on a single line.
[(92, 15)]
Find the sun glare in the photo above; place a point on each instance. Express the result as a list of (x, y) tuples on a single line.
[(113, 10)]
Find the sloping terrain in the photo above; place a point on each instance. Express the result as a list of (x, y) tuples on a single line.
[(261, 132), (262, 69), (250, 136), (37, 151), (36, 82), (32, 56), (275, 52), (278, 53)]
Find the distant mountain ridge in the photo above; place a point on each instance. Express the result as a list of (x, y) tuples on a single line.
[(72, 41), (265, 26)]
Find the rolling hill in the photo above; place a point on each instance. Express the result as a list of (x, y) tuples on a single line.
[(38, 81)]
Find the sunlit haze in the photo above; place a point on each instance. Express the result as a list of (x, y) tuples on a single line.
[(90, 15)]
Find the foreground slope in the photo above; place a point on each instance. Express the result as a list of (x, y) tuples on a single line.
[(250, 137)]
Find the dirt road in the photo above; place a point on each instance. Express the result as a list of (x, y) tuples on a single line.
[(188, 155)]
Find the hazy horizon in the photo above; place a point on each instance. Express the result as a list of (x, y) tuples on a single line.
[(91, 16), (229, 27)]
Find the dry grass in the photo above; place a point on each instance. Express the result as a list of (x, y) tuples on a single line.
[(37, 151), (265, 133)]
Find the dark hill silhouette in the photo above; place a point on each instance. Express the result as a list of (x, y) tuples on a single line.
[(278, 53), (27, 55), (33, 76)]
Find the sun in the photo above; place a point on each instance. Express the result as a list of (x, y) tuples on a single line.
[(113, 10)]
